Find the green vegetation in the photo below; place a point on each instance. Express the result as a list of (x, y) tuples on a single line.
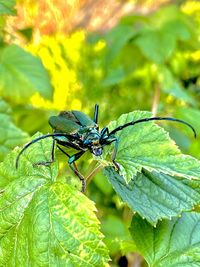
[(151, 207)]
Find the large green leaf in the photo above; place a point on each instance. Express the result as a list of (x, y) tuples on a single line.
[(117, 236), (146, 145), (173, 243), (156, 45), (170, 85), (22, 75), (7, 7), (117, 39), (43, 221), (10, 134), (163, 32), (154, 196), (191, 115), (4, 107), (114, 76)]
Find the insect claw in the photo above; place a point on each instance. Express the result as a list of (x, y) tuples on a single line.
[(42, 163), (83, 186)]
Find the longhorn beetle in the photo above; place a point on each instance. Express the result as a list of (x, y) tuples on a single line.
[(76, 130)]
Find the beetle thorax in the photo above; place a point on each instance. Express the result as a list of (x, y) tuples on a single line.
[(92, 142)]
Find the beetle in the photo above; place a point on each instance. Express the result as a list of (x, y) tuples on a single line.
[(74, 129)]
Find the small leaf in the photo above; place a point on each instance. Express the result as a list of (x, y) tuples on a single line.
[(172, 243), (22, 75), (44, 222), (7, 7), (10, 135), (154, 196), (146, 145), (27, 33)]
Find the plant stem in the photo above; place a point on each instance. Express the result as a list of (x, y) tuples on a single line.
[(93, 173)]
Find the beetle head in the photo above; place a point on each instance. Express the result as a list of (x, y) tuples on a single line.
[(92, 142), (97, 150)]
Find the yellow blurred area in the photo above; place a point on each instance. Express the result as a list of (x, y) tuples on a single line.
[(191, 7), (195, 56), (99, 46), (56, 52)]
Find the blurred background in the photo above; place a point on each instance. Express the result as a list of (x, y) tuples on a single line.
[(123, 55)]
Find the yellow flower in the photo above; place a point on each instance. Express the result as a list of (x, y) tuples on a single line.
[(60, 55)]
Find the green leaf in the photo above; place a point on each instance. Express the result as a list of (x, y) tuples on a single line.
[(45, 222), (114, 76), (27, 33), (170, 85), (154, 196), (117, 236), (146, 145), (173, 243), (163, 31), (4, 107), (179, 29), (156, 45), (117, 38), (191, 115), (7, 7), (10, 134), (22, 75)]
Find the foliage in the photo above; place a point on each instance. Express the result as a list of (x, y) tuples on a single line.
[(21, 70), (47, 216), (145, 62), (11, 135), (153, 195), (7, 7), (168, 244)]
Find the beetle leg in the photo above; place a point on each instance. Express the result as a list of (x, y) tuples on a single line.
[(46, 163), (104, 131), (64, 152), (71, 160), (109, 140), (96, 111), (115, 153)]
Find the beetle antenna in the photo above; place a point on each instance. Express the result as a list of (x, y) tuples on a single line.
[(96, 112), (152, 119), (36, 140)]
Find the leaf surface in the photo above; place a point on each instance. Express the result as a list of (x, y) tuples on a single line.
[(45, 222), (173, 243), (156, 45), (7, 7), (10, 134), (146, 145), (154, 196), (117, 39), (22, 75)]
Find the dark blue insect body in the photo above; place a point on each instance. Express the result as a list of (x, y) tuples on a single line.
[(76, 130)]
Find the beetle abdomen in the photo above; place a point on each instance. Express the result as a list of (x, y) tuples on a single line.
[(62, 125), (83, 119)]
